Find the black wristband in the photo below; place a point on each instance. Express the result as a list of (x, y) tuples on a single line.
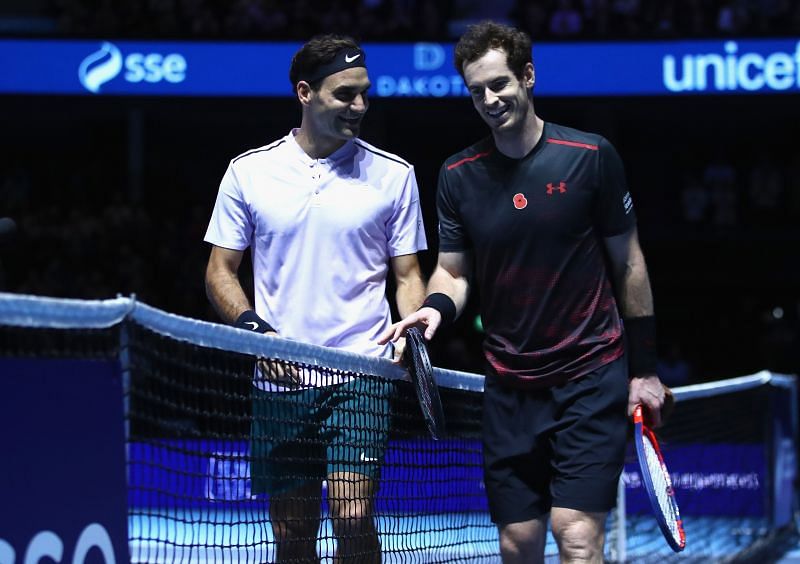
[(252, 322), (642, 355), (444, 305)]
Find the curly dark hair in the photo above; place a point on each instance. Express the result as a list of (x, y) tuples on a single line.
[(318, 51), (481, 37)]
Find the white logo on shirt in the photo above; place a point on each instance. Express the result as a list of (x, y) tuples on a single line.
[(253, 323), (627, 202)]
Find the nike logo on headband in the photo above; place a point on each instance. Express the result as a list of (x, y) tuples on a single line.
[(351, 58)]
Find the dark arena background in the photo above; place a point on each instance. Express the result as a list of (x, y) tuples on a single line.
[(110, 191)]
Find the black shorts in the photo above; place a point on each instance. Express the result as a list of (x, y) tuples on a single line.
[(557, 447)]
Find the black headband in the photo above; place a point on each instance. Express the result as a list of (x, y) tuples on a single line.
[(347, 58)]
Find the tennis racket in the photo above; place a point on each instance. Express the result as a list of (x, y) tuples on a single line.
[(419, 365), (657, 483)]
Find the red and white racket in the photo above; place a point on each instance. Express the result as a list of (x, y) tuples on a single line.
[(657, 483)]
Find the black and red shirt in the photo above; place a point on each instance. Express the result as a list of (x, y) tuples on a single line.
[(536, 226)]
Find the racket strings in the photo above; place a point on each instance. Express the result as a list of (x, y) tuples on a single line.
[(662, 485), (422, 375), (425, 396)]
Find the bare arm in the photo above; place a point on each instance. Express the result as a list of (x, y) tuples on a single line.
[(632, 285), (450, 278), (629, 271), (410, 285), (222, 284), (229, 300)]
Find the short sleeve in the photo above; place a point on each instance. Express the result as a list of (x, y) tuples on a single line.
[(230, 226), (613, 206), (451, 230), (405, 231)]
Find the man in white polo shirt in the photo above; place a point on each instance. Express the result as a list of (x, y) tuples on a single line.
[(325, 215)]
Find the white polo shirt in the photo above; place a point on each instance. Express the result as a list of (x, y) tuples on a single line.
[(321, 233)]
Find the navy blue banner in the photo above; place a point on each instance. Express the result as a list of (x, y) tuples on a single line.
[(709, 479), (62, 471), (145, 68), (717, 479), (215, 472)]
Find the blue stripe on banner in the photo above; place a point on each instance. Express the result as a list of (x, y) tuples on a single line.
[(181, 68), (709, 479)]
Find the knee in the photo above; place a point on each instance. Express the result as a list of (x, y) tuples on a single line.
[(515, 548), (295, 529), (578, 539), (523, 542), (292, 525), (350, 517)]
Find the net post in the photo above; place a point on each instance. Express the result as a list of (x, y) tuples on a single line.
[(620, 545), (125, 371), (795, 432), (781, 448)]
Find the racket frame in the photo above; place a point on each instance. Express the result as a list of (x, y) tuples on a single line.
[(427, 391), (643, 433)]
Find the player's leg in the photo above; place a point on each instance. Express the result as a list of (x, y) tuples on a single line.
[(294, 516), (580, 536), (351, 498), (523, 542), (288, 464), (358, 428), (516, 469), (588, 455)]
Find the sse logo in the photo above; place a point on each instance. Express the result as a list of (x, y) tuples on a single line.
[(104, 65), (47, 545)]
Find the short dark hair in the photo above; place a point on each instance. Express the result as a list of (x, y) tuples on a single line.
[(481, 37), (318, 51)]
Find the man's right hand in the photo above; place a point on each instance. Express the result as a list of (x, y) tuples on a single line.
[(280, 373), (426, 318), (274, 371)]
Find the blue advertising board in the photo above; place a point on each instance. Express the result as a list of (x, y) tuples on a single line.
[(708, 479), (422, 477), (174, 68), (62, 481), (418, 477)]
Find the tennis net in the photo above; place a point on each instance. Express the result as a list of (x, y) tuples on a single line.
[(730, 447), (194, 485)]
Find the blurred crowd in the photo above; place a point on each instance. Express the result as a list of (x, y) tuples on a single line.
[(764, 195), (410, 20), (76, 240)]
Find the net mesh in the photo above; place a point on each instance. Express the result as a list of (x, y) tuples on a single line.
[(730, 453), (209, 481), (210, 455)]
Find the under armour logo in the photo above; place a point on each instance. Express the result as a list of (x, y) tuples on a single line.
[(562, 187)]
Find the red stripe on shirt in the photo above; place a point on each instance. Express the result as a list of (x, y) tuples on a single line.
[(572, 144), (468, 159)]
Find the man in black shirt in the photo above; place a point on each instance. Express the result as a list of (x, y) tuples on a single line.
[(543, 212)]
